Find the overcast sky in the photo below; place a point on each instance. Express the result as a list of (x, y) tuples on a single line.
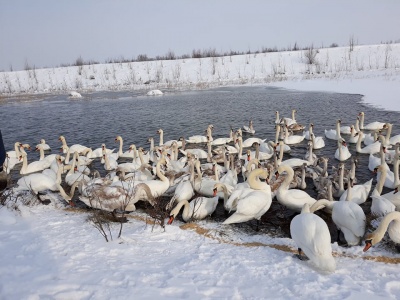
[(52, 32)]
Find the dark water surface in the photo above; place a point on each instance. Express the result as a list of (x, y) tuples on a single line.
[(99, 117)]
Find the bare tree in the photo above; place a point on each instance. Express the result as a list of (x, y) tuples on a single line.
[(310, 55)]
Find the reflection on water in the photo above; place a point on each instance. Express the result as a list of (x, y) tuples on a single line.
[(100, 117)]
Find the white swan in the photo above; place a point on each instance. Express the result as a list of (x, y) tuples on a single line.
[(312, 236), (348, 217), (223, 141), (374, 161), (291, 162), (35, 166), (371, 126), (333, 134), (167, 143), (358, 193), (255, 203), (250, 128), (293, 139), (201, 138), (158, 186), (318, 142), (43, 144), (342, 152), (250, 141), (392, 178), (391, 223), (393, 196), (74, 148), (370, 149), (198, 209), (49, 158), (39, 182), (73, 175), (293, 199)]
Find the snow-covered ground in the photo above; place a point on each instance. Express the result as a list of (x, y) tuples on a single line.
[(50, 252)]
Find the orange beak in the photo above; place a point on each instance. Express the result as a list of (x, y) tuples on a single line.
[(367, 246), (171, 219), (214, 192)]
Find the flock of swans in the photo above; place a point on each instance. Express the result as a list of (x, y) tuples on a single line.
[(197, 177)]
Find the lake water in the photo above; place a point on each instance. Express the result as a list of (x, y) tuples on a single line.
[(99, 117)]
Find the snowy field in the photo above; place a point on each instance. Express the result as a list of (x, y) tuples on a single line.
[(53, 252)]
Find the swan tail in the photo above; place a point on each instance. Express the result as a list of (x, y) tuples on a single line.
[(237, 218)]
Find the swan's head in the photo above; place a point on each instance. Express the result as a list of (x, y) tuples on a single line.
[(159, 131), (248, 153), (118, 138), (339, 121), (61, 138), (42, 141), (26, 146), (370, 240), (361, 114)]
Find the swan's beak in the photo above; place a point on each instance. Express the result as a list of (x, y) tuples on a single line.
[(368, 245), (214, 192), (248, 157), (276, 174), (171, 219), (395, 190), (384, 149), (20, 157), (71, 203)]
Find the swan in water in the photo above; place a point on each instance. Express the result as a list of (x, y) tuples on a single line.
[(43, 144), (293, 139), (370, 149), (74, 148), (250, 128), (312, 236), (168, 143), (318, 142), (291, 162), (333, 134), (391, 178), (393, 196), (73, 175), (130, 153), (255, 203), (371, 126), (293, 199), (380, 206), (201, 138), (342, 152), (391, 223), (223, 141)]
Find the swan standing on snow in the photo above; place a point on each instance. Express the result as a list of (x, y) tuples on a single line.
[(391, 223), (348, 216), (311, 235)]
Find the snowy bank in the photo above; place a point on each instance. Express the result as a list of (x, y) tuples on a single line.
[(377, 62)]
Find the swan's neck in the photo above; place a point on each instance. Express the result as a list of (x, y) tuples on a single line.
[(41, 151), (321, 204), (24, 164), (240, 146), (310, 130), (186, 211), (279, 159), (362, 121), (357, 126), (257, 151), (209, 154), (226, 161), (67, 156), (134, 154), (106, 161), (353, 170), (16, 148), (277, 119), (349, 191), (396, 170), (216, 173), (388, 133), (358, 145), (253, 181), (381, 181), (159, 173), (121, 143), (338, 130), (303, 178), (380, 231), (161, 138), (325, 168), (341, 177), (330, 196), (289, 177), (151, 144), (310, 151), (141, 157), (64, 142), (278, 129)]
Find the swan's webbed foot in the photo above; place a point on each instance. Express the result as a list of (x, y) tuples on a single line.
[(300, 255)]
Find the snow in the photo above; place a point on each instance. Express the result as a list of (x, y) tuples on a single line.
[(154, 93), (53, 252)]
